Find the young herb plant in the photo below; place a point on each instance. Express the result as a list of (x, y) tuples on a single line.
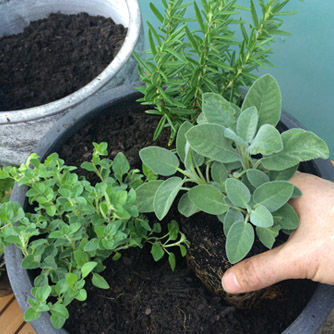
[(74, 226), (236, 166), (183, 64)]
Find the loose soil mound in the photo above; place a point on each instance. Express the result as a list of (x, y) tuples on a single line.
[(54, 57)]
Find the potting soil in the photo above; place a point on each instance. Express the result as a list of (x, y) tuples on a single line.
[(146, 296), (54, 57)]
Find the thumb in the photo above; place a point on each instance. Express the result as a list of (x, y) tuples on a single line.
[(259, 271)]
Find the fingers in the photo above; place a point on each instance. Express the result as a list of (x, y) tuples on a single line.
[(260, 271), (307, 253)]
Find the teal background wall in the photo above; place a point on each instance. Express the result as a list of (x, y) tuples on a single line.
[(304, 63)]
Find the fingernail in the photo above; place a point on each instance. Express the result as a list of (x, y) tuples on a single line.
[(230, 283)]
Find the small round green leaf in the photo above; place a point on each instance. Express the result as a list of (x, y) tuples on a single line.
[(57, 322), (237, 192), (41, 293), (257, 177), (267, 141), (88, 166), (160, 160), (71, 278), (99, 281), (230, 218), (91, 245), (87, 268), (173, 230), (59, 310), (61, 286), (157, 251), (299, 145), (29, 262), (165, 195), (80, 257), (208, 199), (101, 148), (265, 95), (33, 302), (172, 261), (186, 207), (267, 235), (145, 194), (284, 175), (209, 141), (290, 219), (219, 172), (239, 241), (183, 250), (30, 314), (218, 110), (261, 217), (116, 256), (247, 124), (82, 295), (273, 195), (120, 164)]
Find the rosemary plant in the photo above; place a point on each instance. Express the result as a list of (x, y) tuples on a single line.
[(183, 64)]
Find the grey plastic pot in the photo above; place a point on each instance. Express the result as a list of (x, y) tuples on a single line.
[(20, 130), (116, 101)]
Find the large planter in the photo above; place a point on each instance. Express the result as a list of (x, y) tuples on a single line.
[(20, 130), (114, 101)]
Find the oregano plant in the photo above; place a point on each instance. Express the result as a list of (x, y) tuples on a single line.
[(234, 164), (219, 56), (74, 226)]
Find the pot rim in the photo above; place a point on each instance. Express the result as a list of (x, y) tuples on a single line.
[(73, 99), (310, 319)]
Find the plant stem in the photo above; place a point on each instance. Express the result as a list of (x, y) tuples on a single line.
[(244, 61), (246, 218), (207, 172), (244, 157), (203, 57)]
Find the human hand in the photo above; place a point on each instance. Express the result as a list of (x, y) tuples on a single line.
[(309, 251)]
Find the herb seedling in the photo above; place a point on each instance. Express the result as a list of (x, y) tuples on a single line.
[(236, 166), (75, 226), (183, 64)]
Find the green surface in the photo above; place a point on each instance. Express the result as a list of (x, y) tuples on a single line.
[(304, 63)]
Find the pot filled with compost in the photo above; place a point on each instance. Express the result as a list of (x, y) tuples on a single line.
[(141, 293), (54, 55)]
